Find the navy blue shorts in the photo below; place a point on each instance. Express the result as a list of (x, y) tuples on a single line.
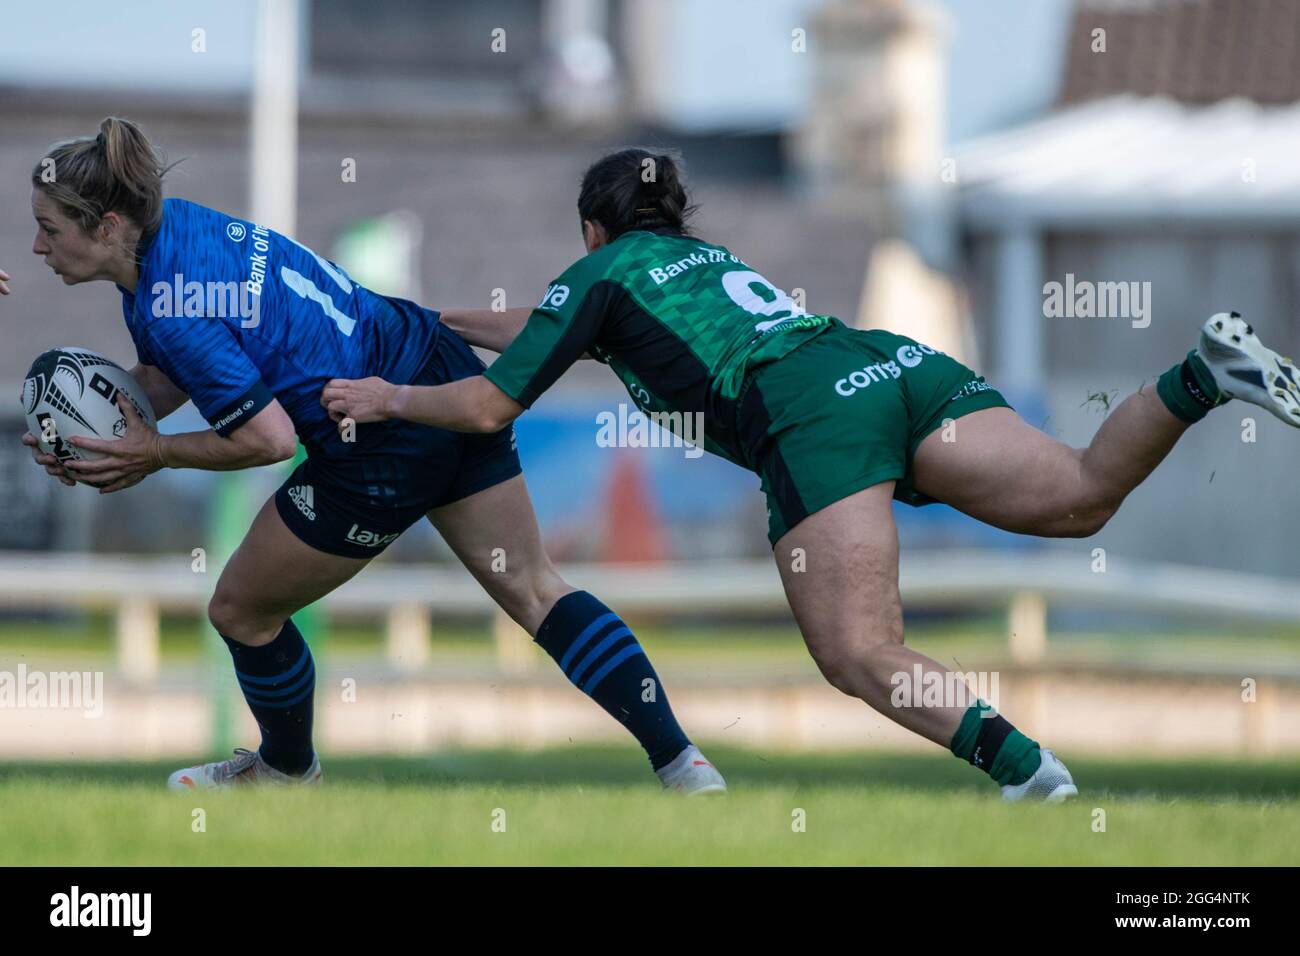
[(355, 499)]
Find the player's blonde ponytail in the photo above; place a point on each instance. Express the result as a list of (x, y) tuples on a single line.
[(116, 171)]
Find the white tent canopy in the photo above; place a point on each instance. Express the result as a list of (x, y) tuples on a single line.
[(1130, 160), (1125, 163)]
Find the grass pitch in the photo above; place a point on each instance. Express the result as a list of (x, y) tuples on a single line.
[(600, 806)]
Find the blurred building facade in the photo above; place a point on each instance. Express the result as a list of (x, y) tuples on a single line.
[(461, 115), (904, 163), (1164, 176)]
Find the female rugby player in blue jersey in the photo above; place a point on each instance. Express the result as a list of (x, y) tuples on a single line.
[(836, 422), (255, 372)]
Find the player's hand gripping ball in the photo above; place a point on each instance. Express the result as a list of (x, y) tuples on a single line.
[(89, 420)]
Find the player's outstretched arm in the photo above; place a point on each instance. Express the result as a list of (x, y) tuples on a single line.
[(468, 405), (485, 328)]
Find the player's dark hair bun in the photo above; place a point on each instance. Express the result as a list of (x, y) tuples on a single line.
[(635, 189)]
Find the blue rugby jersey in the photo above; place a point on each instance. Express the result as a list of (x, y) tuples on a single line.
[(236, 315)]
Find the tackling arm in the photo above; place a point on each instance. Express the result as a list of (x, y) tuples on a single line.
[(467, 405), (485, 328)]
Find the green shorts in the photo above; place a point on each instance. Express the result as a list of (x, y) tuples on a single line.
[(846, 411)]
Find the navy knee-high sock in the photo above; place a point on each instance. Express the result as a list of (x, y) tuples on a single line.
[(601, 656), (278, 680)]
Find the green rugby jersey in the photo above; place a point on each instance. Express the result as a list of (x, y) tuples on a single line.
[(680, 322)]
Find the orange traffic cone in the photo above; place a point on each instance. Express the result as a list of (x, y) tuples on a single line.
[(633, 534)]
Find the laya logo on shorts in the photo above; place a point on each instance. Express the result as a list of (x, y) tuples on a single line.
[(305, 499), (371, 539), (864, 377)]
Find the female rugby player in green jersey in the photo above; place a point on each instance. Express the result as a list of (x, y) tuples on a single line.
[(103, 218), (836, 422)]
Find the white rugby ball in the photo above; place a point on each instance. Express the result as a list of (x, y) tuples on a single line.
[(72, 392)]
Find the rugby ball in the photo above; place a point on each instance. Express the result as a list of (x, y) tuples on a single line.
[(72, 392)]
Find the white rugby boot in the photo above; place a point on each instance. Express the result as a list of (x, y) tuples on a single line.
[(690, 773), (1244, 368), (1051, 783), (246, 768)]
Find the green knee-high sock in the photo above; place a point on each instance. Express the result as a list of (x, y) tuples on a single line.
[(1188, 389), (986, 740)]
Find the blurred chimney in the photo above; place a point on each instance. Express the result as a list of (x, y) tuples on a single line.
[(874, 133), (578, 84), (873, 148)]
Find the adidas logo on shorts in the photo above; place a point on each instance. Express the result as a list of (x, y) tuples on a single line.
[(304, 498)]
